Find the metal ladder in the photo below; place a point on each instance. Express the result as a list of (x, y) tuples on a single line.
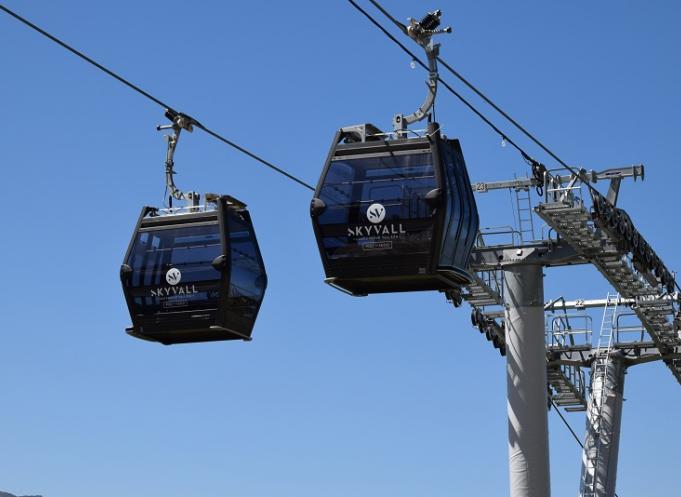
[(524, 210), (599, 373)]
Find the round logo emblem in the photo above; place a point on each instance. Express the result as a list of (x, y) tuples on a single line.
[(376, 213), (173, 276)]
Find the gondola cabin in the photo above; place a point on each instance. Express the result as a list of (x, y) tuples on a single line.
[(194, 274), (394, 215)]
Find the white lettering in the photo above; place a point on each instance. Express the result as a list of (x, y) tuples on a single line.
[(376, 230), (174, 291)]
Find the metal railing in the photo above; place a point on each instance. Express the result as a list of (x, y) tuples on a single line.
[(569, 330)]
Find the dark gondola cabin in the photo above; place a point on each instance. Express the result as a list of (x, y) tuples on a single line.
[(194, 274), (394, 215)]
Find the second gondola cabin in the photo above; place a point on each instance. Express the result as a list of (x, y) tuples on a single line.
[(194, 274), (394, 215)]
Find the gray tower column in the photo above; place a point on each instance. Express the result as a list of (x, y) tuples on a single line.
[(528, 434), (603, 423)]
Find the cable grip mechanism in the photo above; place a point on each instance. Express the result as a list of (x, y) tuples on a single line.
[(179, 121), (422, 33)]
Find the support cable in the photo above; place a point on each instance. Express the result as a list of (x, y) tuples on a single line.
[(290, 176), (534, 163), (567, 425), (479, 93), (444, 83), (149, 96), (470, 106), (275, 168)]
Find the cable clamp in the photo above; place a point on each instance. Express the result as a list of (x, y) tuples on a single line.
[(422, 31), (179, 120)]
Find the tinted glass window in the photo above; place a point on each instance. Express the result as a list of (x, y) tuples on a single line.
[(375, 206), (172, 268), (247, 280), (462, 215), (456, 210)]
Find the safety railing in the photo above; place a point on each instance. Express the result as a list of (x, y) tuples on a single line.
[(565, 331), (628, 329), (508, 234)]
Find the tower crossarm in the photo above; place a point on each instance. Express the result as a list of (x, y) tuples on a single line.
[(548, 253), (580, 355), (626, 260), (613, 174)]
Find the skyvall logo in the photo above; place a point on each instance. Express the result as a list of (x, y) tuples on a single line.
[(173, 276), (376, 213)]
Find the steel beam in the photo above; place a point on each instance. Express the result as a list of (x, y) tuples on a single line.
[(581, 355), (562, 304), (636, 171), (546, 253), (528, 437)]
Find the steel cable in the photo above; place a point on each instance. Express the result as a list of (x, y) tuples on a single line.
[(157, 101), (577, 173)]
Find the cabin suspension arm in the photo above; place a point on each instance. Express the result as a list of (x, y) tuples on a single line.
[(422, 32), (179, 122)]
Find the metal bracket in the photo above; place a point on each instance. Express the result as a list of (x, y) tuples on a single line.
[(614, 190), (422, 32), (615, 176), (179, 122), (567, 190)]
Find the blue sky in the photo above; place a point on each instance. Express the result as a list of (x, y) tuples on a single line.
[(392, 395)]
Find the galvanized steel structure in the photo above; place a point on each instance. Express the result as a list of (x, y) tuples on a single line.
[(549, 345)]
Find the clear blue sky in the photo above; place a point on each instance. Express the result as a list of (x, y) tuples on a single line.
[(387, 396)]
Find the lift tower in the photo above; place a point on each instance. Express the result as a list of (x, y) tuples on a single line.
[(528, 434), (582, 226)]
